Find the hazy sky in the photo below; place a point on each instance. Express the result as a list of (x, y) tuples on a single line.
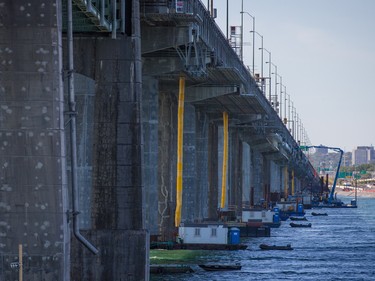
[(325, 52)]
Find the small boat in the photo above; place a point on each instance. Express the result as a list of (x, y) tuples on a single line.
[(275, 247), (298, 218), (220, 267), (292, 224), (319, 214)]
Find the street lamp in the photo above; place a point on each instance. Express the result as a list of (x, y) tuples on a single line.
[(253, 31), (261, 38), (275, 96), (290, 116), (285, 99), (281, 97), (269, 73)]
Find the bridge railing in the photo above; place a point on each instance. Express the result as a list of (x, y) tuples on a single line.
[(212, 35), (209, 32)]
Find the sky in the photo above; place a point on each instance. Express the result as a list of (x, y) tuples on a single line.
[(324, 51)]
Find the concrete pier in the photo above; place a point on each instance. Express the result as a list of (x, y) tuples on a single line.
[(33, 181)]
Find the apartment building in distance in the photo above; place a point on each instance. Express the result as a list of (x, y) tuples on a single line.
[(363, 155)]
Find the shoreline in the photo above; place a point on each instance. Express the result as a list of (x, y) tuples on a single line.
[(360, 194)]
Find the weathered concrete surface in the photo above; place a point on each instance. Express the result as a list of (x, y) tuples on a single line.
[(167, 163), (117, 251), (33, 182), (213, 166), (150, 117), (118, 195), (201, 142)]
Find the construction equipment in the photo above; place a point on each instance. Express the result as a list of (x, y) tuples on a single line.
[(331, 199)]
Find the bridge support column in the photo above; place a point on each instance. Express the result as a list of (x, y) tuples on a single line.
[(33, 180), (202, 170), (235, 172), (190, 206), (276, 181), (266, 179), (118, 194), (246, 174), (150, 117), (257, 175), (213, 166), (166, 167)]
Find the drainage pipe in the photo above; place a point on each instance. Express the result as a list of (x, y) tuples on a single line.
[(73, 136)]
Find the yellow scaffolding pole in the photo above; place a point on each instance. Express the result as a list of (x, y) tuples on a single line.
[(225, 160), (180, 135), (292, 182)]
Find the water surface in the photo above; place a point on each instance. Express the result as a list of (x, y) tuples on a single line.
[(340, 246)]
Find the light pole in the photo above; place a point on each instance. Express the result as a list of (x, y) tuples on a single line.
[(285, 99), (242, 30), (275, 96), (261, 48), (227, 19), (269, 73), (281, 98), (253, 31), (290, 119), (298, 125)]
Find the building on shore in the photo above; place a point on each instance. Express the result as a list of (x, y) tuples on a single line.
[(363, 155)]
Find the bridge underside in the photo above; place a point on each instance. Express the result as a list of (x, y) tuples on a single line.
[(128, 58)]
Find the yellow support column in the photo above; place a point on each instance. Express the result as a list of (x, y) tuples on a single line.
[(180, 135), (225, 160)]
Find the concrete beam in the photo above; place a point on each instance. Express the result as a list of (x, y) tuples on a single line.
[(159, 66), (201, 93), (156, 38)]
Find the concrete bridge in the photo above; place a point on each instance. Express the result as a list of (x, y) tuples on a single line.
[(93, 144)]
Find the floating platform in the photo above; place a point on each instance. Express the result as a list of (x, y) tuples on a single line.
[(220, 267), (198, 246), (255, 231), (169, 269)]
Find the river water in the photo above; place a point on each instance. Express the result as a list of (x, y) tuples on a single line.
[(340, 246)]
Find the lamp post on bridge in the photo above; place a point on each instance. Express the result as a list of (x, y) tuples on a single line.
[(261, 48), (275, 95), (253, 31), (290, 119), (285, 112), (269, 73), (297, 127), (281, 97)]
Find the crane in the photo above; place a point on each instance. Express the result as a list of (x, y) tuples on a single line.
[(331, 195)]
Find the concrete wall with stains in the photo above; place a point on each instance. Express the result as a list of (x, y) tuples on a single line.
[(33, 187)]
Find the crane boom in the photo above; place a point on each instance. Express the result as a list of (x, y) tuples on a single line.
[(331, 195)]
